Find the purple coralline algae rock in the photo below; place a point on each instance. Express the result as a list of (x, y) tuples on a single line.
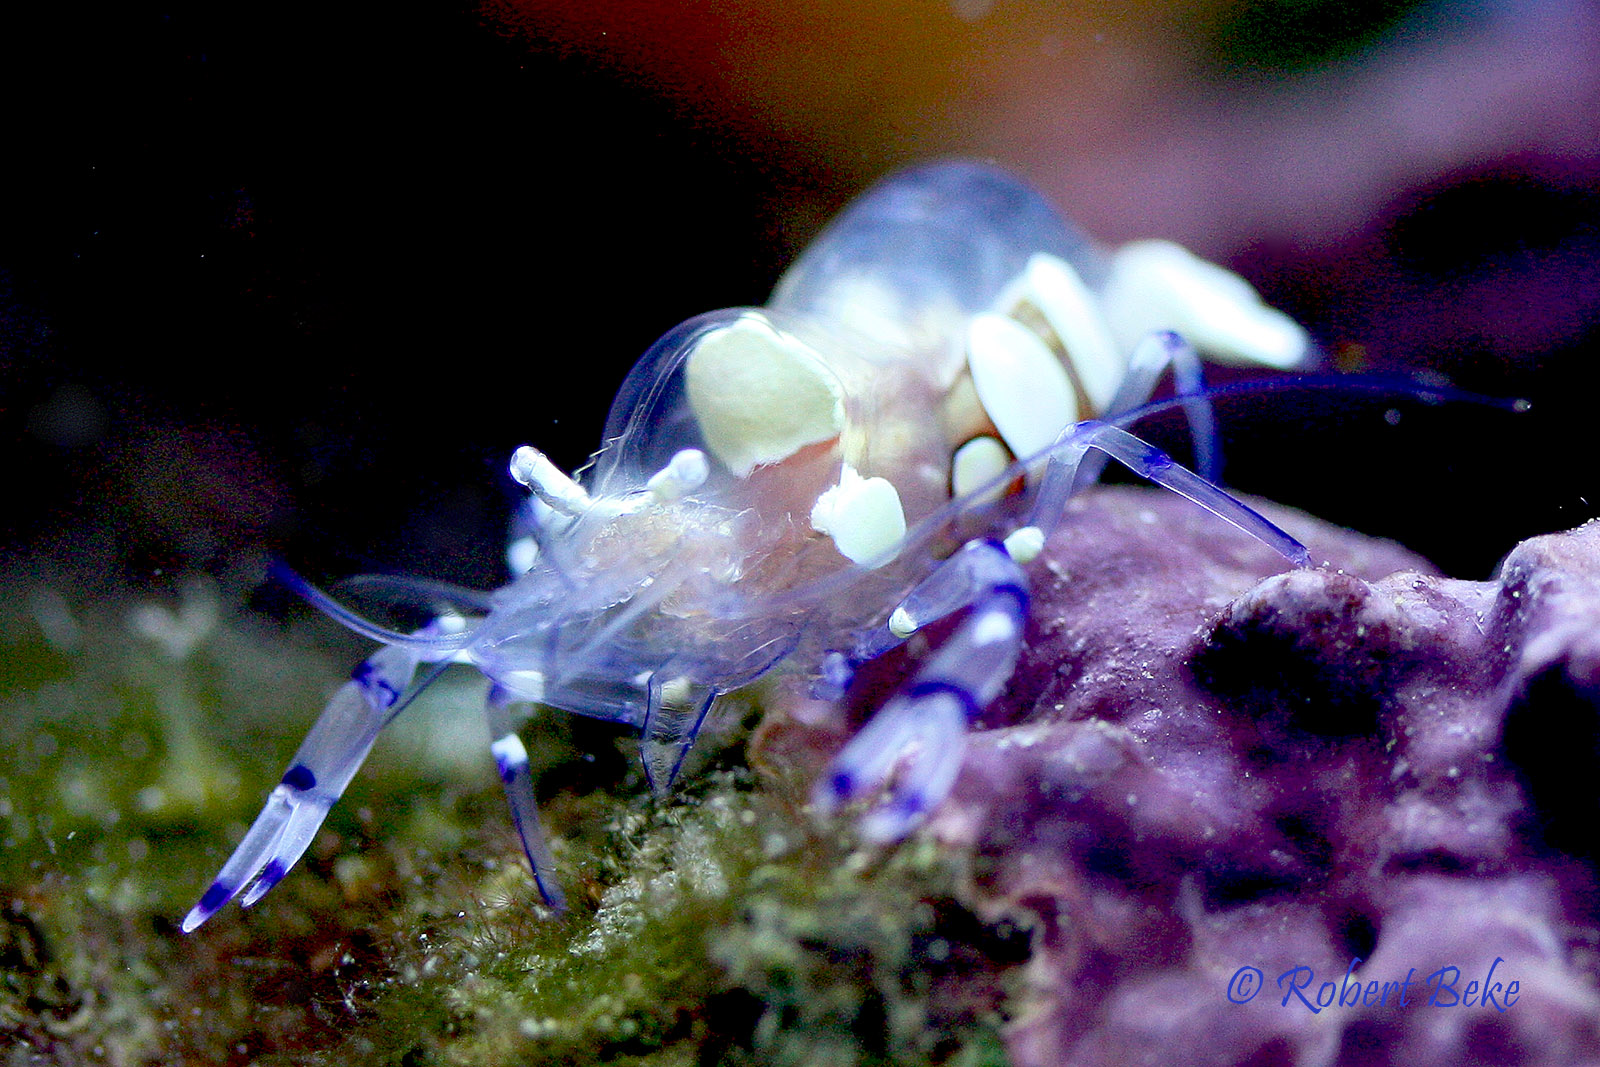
[(1335, 816)]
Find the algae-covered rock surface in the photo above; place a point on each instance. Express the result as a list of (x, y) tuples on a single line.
[(721, 924), (1220, 808)]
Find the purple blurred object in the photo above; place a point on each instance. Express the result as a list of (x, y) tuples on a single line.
[(1198, 771)]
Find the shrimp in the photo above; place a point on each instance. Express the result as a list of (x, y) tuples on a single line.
[(807, 484)]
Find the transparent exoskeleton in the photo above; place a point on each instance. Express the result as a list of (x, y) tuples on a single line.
[(885, 444)]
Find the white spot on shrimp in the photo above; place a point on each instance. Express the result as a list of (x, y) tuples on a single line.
[(1051, 288), (901, 624), (1022, 384), (1025, 543), (760, 395), (863, 516), (979, 462), (683, 474), (993, 627), (1158, 285)]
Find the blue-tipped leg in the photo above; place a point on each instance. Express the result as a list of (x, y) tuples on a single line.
[(913, 747), (322, 768), (511, 761)]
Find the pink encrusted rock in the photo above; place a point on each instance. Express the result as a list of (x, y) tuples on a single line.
[(1206, 763)]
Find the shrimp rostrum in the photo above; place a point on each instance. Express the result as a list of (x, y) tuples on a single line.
[(805, 485)]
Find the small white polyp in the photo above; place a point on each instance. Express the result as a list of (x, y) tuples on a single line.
[(1022, 385), (863, 516), (1054, 287), (1157, 285), (760, 395), (548, 482), (685, 472)]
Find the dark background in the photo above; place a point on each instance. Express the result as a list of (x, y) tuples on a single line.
[(295, 279), (305, 276)]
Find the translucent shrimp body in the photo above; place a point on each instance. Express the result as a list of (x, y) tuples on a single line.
[(808, 484)]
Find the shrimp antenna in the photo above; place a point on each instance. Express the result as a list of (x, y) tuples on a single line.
[(426, 593), (433, 647), (1387, 385)]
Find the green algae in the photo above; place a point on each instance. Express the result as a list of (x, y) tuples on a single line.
[(721, 924)]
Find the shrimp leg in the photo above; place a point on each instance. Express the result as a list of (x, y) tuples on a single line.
[(1151, 358), (676, 706), (511, 760), (919, 737), (1066, 455), (378, 690), (676, 709), (916, 742)]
